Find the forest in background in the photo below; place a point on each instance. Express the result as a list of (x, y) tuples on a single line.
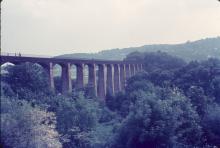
[(172, 103), (191, 50)]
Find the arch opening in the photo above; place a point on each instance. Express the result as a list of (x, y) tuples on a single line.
[(57, 70), (73, 73)]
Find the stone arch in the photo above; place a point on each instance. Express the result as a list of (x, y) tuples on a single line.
[(73, 72), (79, 75), (57, 72), (49, 69), (86, 74), (66, 78), (91, 74), (6, 65)]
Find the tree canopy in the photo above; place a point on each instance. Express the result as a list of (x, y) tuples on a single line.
[(171, 104)]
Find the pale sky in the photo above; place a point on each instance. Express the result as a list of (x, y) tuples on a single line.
[(53, 27)]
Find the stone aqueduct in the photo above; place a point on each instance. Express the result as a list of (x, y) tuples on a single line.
[(112, 75)]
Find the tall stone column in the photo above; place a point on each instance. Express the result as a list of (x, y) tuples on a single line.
[(110, 83), (139, 67), (142, 67), (92, 77), (79, 76), (117, 84), (66, 78), (132, 67), (122, 77), (128, 71), (51, 78), (131, 70), (49, 70), (136, 68), (101, 82)]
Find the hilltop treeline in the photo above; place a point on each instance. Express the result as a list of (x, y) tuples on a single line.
[(190, 50), (171, 104)]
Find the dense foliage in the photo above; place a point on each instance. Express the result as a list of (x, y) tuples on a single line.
[(23, 125), (172, 104), (157, 120)]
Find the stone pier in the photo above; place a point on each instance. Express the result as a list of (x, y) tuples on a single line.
[(141, 67), (110, 84), (66, 79), (48, 67), (122, 76), (79, 76), (117, 84), (51, 77), (92, 77), (138, 67), (133, 69), (128, 71), (101, 82)]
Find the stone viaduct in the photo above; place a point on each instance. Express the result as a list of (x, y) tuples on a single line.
[(110, 78)]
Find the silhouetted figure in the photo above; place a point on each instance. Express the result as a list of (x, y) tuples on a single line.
[(19, 54)]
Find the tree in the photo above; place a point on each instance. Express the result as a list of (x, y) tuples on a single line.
[(27, 76), (23, 125), (211, 125), (198, 99), (153, 122), (76, 118), (154, 61)]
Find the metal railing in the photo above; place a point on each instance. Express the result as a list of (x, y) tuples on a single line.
[(18, 54)]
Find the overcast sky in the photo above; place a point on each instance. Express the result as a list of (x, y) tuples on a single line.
[(52, 27)]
